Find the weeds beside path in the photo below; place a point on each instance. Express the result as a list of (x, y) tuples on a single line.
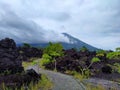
[(60, 81)]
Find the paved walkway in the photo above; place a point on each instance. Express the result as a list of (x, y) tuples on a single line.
[(60, 81)]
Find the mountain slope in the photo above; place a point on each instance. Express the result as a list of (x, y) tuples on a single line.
[(73, 43)]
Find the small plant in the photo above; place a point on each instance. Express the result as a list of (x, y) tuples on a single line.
[(98, 87), (85, 71), (116, 67)]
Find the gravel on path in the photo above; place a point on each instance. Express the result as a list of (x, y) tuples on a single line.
[(60, 81)]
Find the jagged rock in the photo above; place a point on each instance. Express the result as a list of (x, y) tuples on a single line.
[(107, 69), (7, 43), (32, 73), (18, 80), (9, 54), (30, 52)]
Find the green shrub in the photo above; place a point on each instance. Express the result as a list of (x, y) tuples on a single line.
[(100, 53), (83, 49), (46, 59), (116, 67), (113, 55), (95, 59)]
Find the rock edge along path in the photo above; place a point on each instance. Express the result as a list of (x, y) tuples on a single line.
[(108, 85), (60, 81)]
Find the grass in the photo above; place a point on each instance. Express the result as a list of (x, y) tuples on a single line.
[(44, 83), (98, 87), (78, 75), (33, 61)]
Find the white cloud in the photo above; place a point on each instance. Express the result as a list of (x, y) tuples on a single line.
[(93, 21)]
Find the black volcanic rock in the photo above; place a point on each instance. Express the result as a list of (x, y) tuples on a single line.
[(9, 57), (7, 43), (17, 80), (30, 52), (107, 69), (11, 71)]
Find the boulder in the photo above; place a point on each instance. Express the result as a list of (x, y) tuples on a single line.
[(9, 57), (107, 69), (30, 52)]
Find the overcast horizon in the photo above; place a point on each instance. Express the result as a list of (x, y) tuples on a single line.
[(96, 22)]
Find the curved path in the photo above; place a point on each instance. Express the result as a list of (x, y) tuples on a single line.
[(60, 81)]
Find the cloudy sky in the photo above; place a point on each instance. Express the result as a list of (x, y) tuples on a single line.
[(96, 22)]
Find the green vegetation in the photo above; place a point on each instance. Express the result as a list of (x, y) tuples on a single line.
[(113, 55), (100, 53), (76, 75), (52, 51), (85, 71), (26, 45), (83, 49), (94, 60), (46, 59), (98, 87), (116, 67)]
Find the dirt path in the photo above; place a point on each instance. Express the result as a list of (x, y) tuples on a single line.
[(60, 81)]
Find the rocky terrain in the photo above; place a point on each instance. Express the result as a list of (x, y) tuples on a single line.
[(97, 64), (77, 61), (11, 70)]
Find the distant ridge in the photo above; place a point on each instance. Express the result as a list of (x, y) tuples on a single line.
[(73, 43)]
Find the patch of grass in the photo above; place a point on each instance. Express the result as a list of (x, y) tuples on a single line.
[(33, 61), (98, 87), (43, 84), (76, 75), (85, 74), (26, 64)]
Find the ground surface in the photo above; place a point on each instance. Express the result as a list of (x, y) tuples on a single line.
[(61, 81)]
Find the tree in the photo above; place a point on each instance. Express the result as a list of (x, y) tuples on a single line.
[(26, 45), (85, 71), (46, 59), (54, 50), (83, 49)]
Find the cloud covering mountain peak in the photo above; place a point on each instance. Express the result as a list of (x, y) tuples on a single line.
[(93, 21), (23, 30)]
